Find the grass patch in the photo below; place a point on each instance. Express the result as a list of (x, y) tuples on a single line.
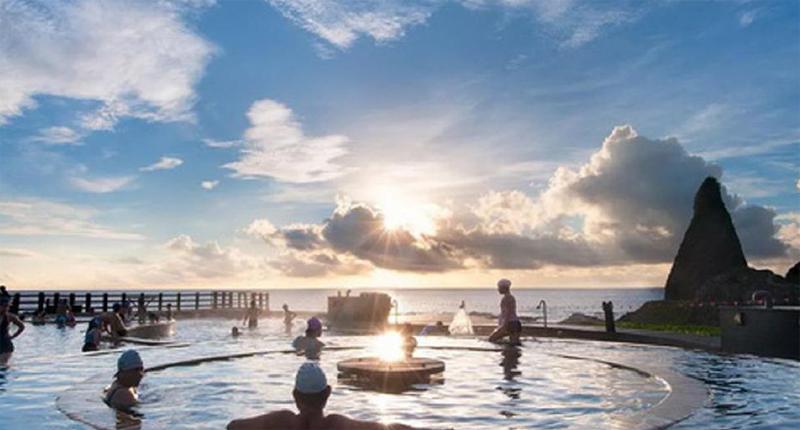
[(701, 330)]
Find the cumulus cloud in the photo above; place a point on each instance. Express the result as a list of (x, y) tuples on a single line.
[(76, 49), (341, 22), (209, 260), (629, 204), (209, 185), (164, 163), (276, 147), (37, 217), (58, 136)]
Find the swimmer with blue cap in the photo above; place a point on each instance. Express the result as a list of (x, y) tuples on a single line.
[(123, 392), (311, 392)]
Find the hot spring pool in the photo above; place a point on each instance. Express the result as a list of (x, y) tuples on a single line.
[(539, 386)]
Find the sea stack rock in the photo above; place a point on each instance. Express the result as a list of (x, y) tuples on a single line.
[(793, 275), (710, 246)]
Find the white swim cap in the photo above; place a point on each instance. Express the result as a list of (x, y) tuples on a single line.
[(504, 283), (310, 379)]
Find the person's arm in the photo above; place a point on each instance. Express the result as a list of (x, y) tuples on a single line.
[(272, 420), (20, 325), (123, 399)]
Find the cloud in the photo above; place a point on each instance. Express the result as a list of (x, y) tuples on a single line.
[(341, 22), (37, 217), (206, 261), (77, 50), (211, 143), (637, 193), (17, 253), (276, 147), (101, 185), (58, 136), (747, 17), (209, 185), (164, 163), (629, 204)]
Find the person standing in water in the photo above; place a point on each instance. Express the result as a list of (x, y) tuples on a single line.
[(311, 393), (508, 324), (288, 318), (122, 394), (6, 319), (251, 315)]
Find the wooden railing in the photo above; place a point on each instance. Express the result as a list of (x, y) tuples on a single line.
[(87, 302)]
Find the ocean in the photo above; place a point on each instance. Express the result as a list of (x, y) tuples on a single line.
[(561, 302)]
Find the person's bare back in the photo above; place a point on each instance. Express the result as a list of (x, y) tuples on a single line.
[(288, 420)]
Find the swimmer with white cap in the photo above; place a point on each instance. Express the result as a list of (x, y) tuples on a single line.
[(311, 392), (122, 393), (508, 324)]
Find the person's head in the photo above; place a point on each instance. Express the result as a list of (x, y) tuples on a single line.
[(169, 306), (235, 331), (504, 286), (4, 303), (116, 308), (314, 327), (285, 307), (311, 389), (130, 369)]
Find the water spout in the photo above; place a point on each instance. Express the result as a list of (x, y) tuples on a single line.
[(543, 306)]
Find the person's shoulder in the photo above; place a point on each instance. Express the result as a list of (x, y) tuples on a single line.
[(274, 420)]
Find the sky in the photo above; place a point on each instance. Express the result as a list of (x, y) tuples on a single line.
[(308, 143)]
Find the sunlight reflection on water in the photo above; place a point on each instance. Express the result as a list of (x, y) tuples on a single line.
[(479, 390)]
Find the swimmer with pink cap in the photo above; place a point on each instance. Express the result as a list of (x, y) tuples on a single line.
[(311, 393), (310, 345)]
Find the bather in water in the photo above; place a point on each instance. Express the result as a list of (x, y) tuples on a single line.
[(123, 393), (310, 345), (311, 392)]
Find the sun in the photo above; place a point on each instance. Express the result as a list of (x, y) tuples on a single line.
[(389, 346), (403, 213)]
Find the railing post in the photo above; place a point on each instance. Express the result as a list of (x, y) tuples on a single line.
[(105, 302), (72, 301), (178, 302), (124, 298), (56, 299), (239, 300), (15, 304), (197, 300), (213, 300), (88, 304), (40, 305), (160, 300)]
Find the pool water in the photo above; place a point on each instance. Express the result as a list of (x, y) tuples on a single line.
[(533, 388)]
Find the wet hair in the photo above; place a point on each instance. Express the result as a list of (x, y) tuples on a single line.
[(315, 401)]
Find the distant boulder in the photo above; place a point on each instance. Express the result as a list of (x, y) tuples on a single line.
[(738, 285), (710, 246), (793, 275)]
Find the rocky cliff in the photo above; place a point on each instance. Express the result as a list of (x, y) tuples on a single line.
[(709, 248)]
